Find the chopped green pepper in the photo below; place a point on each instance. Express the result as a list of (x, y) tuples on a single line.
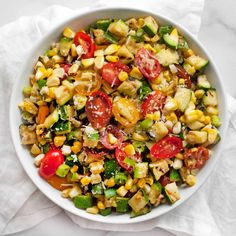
[(83, 201), (103, 24), (97, 189), (41, 83), (146, 124), (105, 212), (110, 168), (109, 193), (174, 175), (62, 170), (62, 127), (122, 205), (144, 90), (120, 178)]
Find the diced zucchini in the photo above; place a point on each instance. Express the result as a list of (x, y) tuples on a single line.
[(143, 211), (137, 202), (91, 133), (159, 168), (51, 119), (210, 98), (174, 175), (105, 212), (110, 38), (167, 57), (109, 193), (172, 192), (62, 127), (215, 120), (202, 82), (140, 170), (129, 87), (83, 201), (119, 28), (154, 193), (120, 178), (79, 101), (172, 39), (196, 61), (150, 26), (182, 43), (110, 168), (97, 189), (62, 170), (103, 24), (63, 93), (122, 205), (139, 146), (183, 97), (64, 46)]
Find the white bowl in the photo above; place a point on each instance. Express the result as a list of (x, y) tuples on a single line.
[(80, 21)]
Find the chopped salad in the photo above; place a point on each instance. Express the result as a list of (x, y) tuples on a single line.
[(120, 116)]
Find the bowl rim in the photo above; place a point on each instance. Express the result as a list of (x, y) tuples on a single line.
[(54, 30)]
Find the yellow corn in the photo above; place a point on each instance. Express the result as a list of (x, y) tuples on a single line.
[(179, 156), (129, 184), (155, 116), (59, 140), (74, 168), (73, 50), (207, 120), (87, 62), (191, 180), (135, 73), (99, 62), (193, 115), (141, 183), (121, 191), (181, 81), (35, 150), (139, 137), (92, 210), (212, 110), (51, 92), (172, 117), (140, 22), (41, 73), (52, 52), (111, 182), (199, 93), (77, 146), (171, 104), (150, 48), (112, 48), (149, 180), (57, 59), (129, 150), (53, 81), (65, 192), (73, 69), (112, 58), (196, 137), (123, 76), (190, 69), (69, 33), (100, 205), (96, 167), (174, 32), (95, 178), (188, 53), (112, 139), (86, 180)]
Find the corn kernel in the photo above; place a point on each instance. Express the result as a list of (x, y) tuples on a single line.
[(156, 115), (149, 48), (65, 193), (149, 180), (112, 58), (171, 105), (177, 128), (35, 150), (179, 156), (59, 140), (73, 69), (181, 81), (212, 110), (121, 191), (73, 50), (149, 116), (191, 180), (112, 48), (177, 164), (188, 53), (129, 150), (57, 59), (74, 168), (196, 137), (92, 210), (69, 33), (139, 137), (111, 182), (112, 139), (53, 81), (52, 52), (199, 93), (51, 92), (141, 183), (129, 184), (77, 146), (96, 167), (172, 117), (100, 205), (99, 62), (86, 180), (193, 115), (207, 120), (87, 62), (41, 73), (140, 22), (135, 73), (95, 178), (134, 188), (123, 76), (76, 190)]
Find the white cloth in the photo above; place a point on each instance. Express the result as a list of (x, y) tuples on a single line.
[(211, 211)]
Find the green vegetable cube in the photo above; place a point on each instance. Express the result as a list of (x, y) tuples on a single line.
[(122, 205), (83, 201)]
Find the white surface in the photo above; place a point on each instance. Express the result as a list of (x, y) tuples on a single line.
[(216, 34)]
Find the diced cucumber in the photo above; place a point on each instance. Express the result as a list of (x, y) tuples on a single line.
[(172, 39), (174, 175), (137, 202), (119, 28), (122, 205), (64, 46), (215, 120), (51, 119), (110, 38), (64, 93), (183, 97), (62, 127), (79, 101), (143, 211), (197, 61), (110, 168), (83, 201), (103, 24), (172, 192), (210, 98), (105, 212), (62, 170), (140, 170), (167, 57), (202, 82), (155, 191), (165, 29), (109, 193), (97, 189), (150, 26), (120, 178)]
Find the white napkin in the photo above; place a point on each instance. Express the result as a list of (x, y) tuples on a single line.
[(203, 214)]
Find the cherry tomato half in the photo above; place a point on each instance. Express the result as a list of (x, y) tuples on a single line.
[(65, 66), (111, 70), (86, 42), (196, 158), (147, 64), (96, 153), (115, 131), (121, 155), (181, 72), (51, 161), (153, 102), (98, 109), (167, 147)]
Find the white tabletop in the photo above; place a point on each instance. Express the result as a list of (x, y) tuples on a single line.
[(217, 33)]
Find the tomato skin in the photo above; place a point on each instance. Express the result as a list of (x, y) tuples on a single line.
[(98, 109), (147, 64), (196, 158), (86, 42), (164, 180), (153, 102), (65, 66), (111, 70), (96, 153), (51, 161), (167, 147), (121, 155), (116, 132), (181, 72)]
